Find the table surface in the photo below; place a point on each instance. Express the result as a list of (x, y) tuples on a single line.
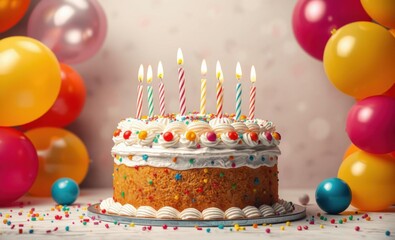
[(16, 223)]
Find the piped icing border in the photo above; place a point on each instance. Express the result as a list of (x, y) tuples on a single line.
[(183, 159), (110, 206)]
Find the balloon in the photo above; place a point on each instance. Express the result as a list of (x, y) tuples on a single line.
[(358, 59), (29, 80), (371, 124), (350, 150), (18, 165), (371, 179), (69, 103), (11, 11), (65, 191), (73, 30), (390, 92), (333, 195), (61, 154), (314, 20), (382, 11)]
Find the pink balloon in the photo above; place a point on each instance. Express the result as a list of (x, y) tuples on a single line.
[(313, 21), (371, 124), (73, 29), (18, 165)]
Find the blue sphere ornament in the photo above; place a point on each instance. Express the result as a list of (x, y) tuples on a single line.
[(65, 191), (333, 195)]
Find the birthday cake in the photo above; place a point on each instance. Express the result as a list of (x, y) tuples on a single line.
[(195, 167)]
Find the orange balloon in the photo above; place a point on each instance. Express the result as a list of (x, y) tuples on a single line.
[(61, 154), (11, 11), (371, 179), (382, 11), (350, 150)]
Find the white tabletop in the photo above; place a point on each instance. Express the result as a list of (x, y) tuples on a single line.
[(50, 227)]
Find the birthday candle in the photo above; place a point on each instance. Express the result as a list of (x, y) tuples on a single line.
[(252, 93), (181, 83), (161, 90), (220, 98), (150, 92), (203, 87), (139, 102), (238, 91)]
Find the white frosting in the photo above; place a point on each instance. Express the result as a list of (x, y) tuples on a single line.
[(191, 214), (223, 128), (266, 210), (229, 142), (240, 127), (168, 144), (194, 214), (168, 213), (155, 127), (187, 143), (213, 213), (148, 140), (176, 127), (251, 212), (264, 140), (252, 126), (247, 140), (216, 121), (146, 212), (199, 127), (206, 142), (234, 213)]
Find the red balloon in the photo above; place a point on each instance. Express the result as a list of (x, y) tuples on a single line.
[(69, 103), (18, 165), (314, 20), (371, 124)]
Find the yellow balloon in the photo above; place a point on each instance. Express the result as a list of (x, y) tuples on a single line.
[(60, 154), (359, 59), (382, 11), (371, 179), (29, 80)]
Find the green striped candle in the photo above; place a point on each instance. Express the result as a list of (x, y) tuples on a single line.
[(238, 91), (150, 93)]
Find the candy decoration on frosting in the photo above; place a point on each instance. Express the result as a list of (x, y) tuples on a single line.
[(168, 136), (143, 135), (127, 134), (220, 92), (203, 87), (190, 135), (238, 92), (139, 104), (252, 93), (268, 136), (161, 89), (276, 136), (181, 81), (150, 92), (233, 135), (211, 136), (117, 132), (254, 136)]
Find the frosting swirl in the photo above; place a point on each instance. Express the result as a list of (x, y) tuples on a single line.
[(199, 127), (171, 143), (206, 142), (247, 140)]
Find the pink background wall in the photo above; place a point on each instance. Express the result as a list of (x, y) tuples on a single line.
[(292, 89)]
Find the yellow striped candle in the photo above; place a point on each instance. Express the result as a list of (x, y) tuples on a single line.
[(220, 93), (203, 88)]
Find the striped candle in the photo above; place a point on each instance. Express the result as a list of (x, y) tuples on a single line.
[(181, 83), (220, 91), (252, 93), (139, 102), (150, 93), (203, 88), (161, 90), (238, 91)]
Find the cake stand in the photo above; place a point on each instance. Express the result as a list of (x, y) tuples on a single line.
[(298, 213)]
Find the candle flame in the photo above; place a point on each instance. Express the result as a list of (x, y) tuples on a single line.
[(238, 71), (203, 69), (253, 74), (141, 73), (160, 70), (149, 74), (218, 70), (180, 59)]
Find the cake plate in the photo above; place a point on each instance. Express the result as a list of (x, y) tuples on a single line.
[(298, 213)]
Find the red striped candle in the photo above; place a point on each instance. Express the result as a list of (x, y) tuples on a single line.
[(139, 102), (181, 83)]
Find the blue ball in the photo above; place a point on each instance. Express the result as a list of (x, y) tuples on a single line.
[(65, 191), (333, 195)]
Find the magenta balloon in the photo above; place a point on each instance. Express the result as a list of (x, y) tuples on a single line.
[(18, 165), (313, 21), (73, 29), (371, 124)]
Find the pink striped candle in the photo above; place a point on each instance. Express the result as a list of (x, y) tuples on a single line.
[(252, 93), (139, 103), (220, 90), (181, 83), (161, 90)]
